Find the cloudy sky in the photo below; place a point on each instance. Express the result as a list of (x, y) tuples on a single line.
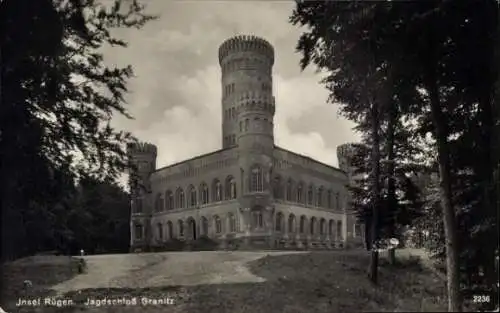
[(175, 96)]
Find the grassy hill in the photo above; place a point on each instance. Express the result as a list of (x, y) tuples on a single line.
[(311, 282)]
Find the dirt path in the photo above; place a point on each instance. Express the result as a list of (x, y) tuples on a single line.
[(165, 269)]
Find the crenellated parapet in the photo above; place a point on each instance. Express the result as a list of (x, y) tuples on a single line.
[(246, 43), (142, 148)]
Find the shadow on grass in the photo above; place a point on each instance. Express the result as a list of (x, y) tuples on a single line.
[(42, 272), (313, 282)]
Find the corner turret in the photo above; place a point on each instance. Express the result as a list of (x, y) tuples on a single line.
[(142, 158)]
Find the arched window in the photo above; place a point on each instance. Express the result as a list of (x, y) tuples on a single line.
[(204, 226), (260, 221), (319, 197), (339, 230), (179, 198), (331, 228), (337, 201), (138, 231), (289, 188), (300, 191), (329, 199), (170, 230), (310, 193), (241, 126), (302, 226), (192, 196), (247, 124), (256, 183), (291, 223), (279, 222), (277, 188), (203, 193), (180, 224), (232, 222), (322, 226), (217, 190), (218, 224), (312, 227), (169, 200), (230, 186), (159, 229)]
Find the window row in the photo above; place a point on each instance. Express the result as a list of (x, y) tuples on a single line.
[(188, 229), (313, 227), (311, 196), (258, 125), (230, 113), (229, 88), (305, 226), (229, 140), (202, 195)]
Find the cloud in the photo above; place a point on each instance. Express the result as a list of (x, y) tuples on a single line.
[(176, 94)]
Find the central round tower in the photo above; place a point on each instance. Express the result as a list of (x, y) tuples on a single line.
[(247, 96)]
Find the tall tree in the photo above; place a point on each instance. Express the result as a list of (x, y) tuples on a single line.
[(57, 101), (422, 40)]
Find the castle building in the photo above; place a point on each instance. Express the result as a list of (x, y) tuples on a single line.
[(251, 194)]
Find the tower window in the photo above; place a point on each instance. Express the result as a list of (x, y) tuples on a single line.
[(256, 183), (241, 126), (247, 122)]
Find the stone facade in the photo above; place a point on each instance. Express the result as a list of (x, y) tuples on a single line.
[(251, 193)]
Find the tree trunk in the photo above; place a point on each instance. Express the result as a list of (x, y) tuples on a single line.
[(440, 130), (375, 189), (488, 117), (391, 204), (368, 241), (449, 218)]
